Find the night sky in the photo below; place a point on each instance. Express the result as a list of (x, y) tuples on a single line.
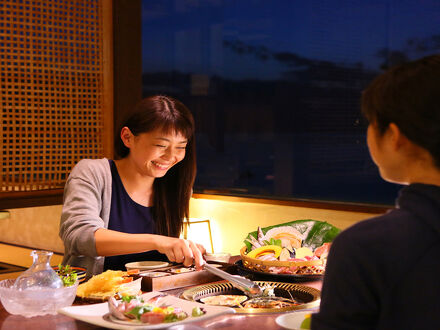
[(283, 79), (188, 35)]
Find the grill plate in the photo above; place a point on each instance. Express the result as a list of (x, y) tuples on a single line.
[(308, 297)]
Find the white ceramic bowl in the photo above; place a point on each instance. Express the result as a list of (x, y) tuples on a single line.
[(219, 256), (146, 265), (33, 302), (292, 321)]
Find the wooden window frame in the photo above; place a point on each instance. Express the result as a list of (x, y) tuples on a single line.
[(295, 202)]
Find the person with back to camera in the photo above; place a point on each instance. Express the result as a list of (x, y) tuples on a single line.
[(132, 208), (382, 273)]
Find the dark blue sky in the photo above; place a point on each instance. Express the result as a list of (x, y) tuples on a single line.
[(188, 36), (267, 40)]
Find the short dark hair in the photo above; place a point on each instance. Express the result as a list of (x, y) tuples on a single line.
[(408, 95), (172, 192)]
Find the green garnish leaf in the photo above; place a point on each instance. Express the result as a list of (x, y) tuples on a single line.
[(275, 242), (67, 275), (174, 317), (127, 298), (272, 242), (317, 232), (139, 310), (170, 318)]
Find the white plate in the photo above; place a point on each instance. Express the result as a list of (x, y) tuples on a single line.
[(220, 256), (142, 265), (98, 314), (292, 320)]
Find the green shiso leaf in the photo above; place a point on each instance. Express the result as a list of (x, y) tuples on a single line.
[(318, 232)]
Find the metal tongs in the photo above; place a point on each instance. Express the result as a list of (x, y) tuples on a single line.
[(250, 288)]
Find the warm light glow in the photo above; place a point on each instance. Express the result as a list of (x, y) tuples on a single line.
[(216, 234), (198, 231), (231, 221)]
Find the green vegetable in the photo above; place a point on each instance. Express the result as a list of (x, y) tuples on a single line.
[(306, 323), (130, 298), (319, 232), (170, 318), (197, 311), (273, 242), (126, 298), (174, 317), (67, 275), (139, 310)]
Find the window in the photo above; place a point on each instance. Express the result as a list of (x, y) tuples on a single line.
[(275, 88)]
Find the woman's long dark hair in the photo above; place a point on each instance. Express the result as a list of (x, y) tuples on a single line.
[(172, 192)]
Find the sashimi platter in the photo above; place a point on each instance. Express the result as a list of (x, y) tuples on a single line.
[(298, 247)]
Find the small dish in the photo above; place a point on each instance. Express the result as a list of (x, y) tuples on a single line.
[(182, 270), (80, 272), (154, 274), (145, 265), (219, 256), (293, 320)]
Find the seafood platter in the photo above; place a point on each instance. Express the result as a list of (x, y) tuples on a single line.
[(152, 310), (292, 251)]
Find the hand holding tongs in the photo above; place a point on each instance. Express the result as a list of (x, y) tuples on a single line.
[(250, 288)]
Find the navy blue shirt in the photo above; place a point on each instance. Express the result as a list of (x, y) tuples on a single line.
[(383, 273), (127, 216)]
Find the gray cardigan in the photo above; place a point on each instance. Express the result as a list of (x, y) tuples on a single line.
[(86, 208)]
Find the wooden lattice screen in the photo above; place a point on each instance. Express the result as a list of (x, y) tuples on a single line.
[(55, 90)]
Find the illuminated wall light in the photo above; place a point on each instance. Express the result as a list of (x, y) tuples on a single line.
[(216, 235), (198, 231)]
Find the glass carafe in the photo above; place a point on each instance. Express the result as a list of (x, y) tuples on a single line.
[(40, 274)]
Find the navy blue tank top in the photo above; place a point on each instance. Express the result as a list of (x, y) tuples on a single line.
[(129, 217)]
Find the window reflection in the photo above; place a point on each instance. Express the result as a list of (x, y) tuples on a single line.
[(275, 87)]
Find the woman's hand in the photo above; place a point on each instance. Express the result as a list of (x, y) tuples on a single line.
[(110, 243), (181, 250)]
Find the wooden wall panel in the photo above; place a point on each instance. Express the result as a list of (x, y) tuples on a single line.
[(127, 54), (56, 92)]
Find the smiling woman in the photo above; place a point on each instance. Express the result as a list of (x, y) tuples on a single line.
[(153, 153), (132, 208)]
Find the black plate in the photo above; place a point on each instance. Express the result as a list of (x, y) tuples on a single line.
[(261, 276)]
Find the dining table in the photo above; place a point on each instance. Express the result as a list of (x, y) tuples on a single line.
[(225, 321)]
